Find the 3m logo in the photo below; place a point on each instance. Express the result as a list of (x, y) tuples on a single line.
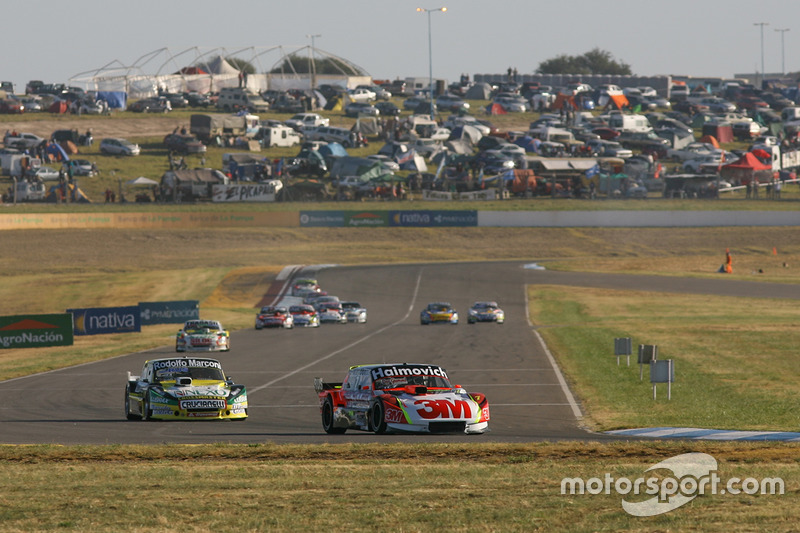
[(443, 409)]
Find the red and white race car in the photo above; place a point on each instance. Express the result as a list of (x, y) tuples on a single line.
[(274, 317), (400, 398)]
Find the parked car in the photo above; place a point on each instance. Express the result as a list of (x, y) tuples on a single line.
[(304, 120), (361, 95), (184, 144), (151, 105), (452, 103), (44, 173), (512, 104), (413, 102), (645, 142), (605, 148), (357, 109), (11, 106), (196, 99), (116, 146), (380, 92), (387, 109), (82, 167)]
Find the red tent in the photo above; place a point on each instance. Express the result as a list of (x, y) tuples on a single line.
[(495, 109), (746, 169)]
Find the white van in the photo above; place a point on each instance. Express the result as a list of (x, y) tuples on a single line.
[(632, 123), (278, 136), (237, 98), (790, 114)]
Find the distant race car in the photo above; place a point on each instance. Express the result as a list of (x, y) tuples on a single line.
[(486, 312), (304, 316), (354, 312), (304, 286), (331, 312), (437, 312), (400, 398), (274, 317), (202, 336), (184, 388)]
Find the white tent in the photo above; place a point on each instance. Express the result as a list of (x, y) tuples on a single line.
[(141, 180)]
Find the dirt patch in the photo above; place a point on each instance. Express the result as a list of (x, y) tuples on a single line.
[(146, 126)]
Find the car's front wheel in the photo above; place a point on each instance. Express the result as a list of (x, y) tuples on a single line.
[(376, 417), (327, 418)]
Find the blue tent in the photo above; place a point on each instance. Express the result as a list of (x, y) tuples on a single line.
[(529, 143), (58, 151), (333, 150)]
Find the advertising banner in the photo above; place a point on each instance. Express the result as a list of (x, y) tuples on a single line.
[(250, 192), (329, 219), (36, 331), (103, 320), (176, 312), (433, 218)]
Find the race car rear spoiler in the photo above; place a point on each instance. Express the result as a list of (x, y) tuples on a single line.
[(320, 385)]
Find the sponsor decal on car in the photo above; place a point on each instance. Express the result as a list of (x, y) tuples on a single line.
[(393, 371), (202, 404), (197, 363), (443, 409)]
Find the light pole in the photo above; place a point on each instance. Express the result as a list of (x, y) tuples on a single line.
[(783, 57), (313, 65), (430, 48), (762, 24)]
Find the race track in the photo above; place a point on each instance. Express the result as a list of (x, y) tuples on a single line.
[(84, 404)]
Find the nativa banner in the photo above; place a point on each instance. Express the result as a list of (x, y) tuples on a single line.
[(102, 320), (36, 331), (176, 312)]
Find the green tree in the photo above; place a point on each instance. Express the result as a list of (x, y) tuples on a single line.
[(241, 64), (595, 61)]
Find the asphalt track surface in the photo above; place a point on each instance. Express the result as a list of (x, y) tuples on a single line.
[(528, 398)]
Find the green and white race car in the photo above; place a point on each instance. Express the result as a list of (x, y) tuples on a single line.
[(184, 388)]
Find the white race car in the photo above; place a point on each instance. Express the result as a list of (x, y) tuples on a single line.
[(486, 312), (400, 398), (202, 336), (354, 312)]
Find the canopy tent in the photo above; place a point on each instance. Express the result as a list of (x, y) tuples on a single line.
[(747, 169)]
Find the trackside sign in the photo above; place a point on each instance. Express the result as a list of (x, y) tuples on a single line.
[(103, 320), (36, 331), (176, 312)]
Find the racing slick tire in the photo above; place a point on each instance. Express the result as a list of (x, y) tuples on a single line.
[(147, 413), (376, 417), (128, 413), (327, 418)]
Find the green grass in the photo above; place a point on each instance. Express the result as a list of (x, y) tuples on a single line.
[(731, 356)]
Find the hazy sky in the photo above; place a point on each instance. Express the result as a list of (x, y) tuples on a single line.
[(55, 41)]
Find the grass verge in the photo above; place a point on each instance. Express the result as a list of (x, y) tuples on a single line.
[(415, 487)]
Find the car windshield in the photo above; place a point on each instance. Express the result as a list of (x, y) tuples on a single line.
[(439, 308), (398, 382), (201, 327), (204, 373)]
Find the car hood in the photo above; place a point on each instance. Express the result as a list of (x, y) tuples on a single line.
[(453, 405), (198, 389)]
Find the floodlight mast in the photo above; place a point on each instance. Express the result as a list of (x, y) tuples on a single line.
[(430, 50)]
